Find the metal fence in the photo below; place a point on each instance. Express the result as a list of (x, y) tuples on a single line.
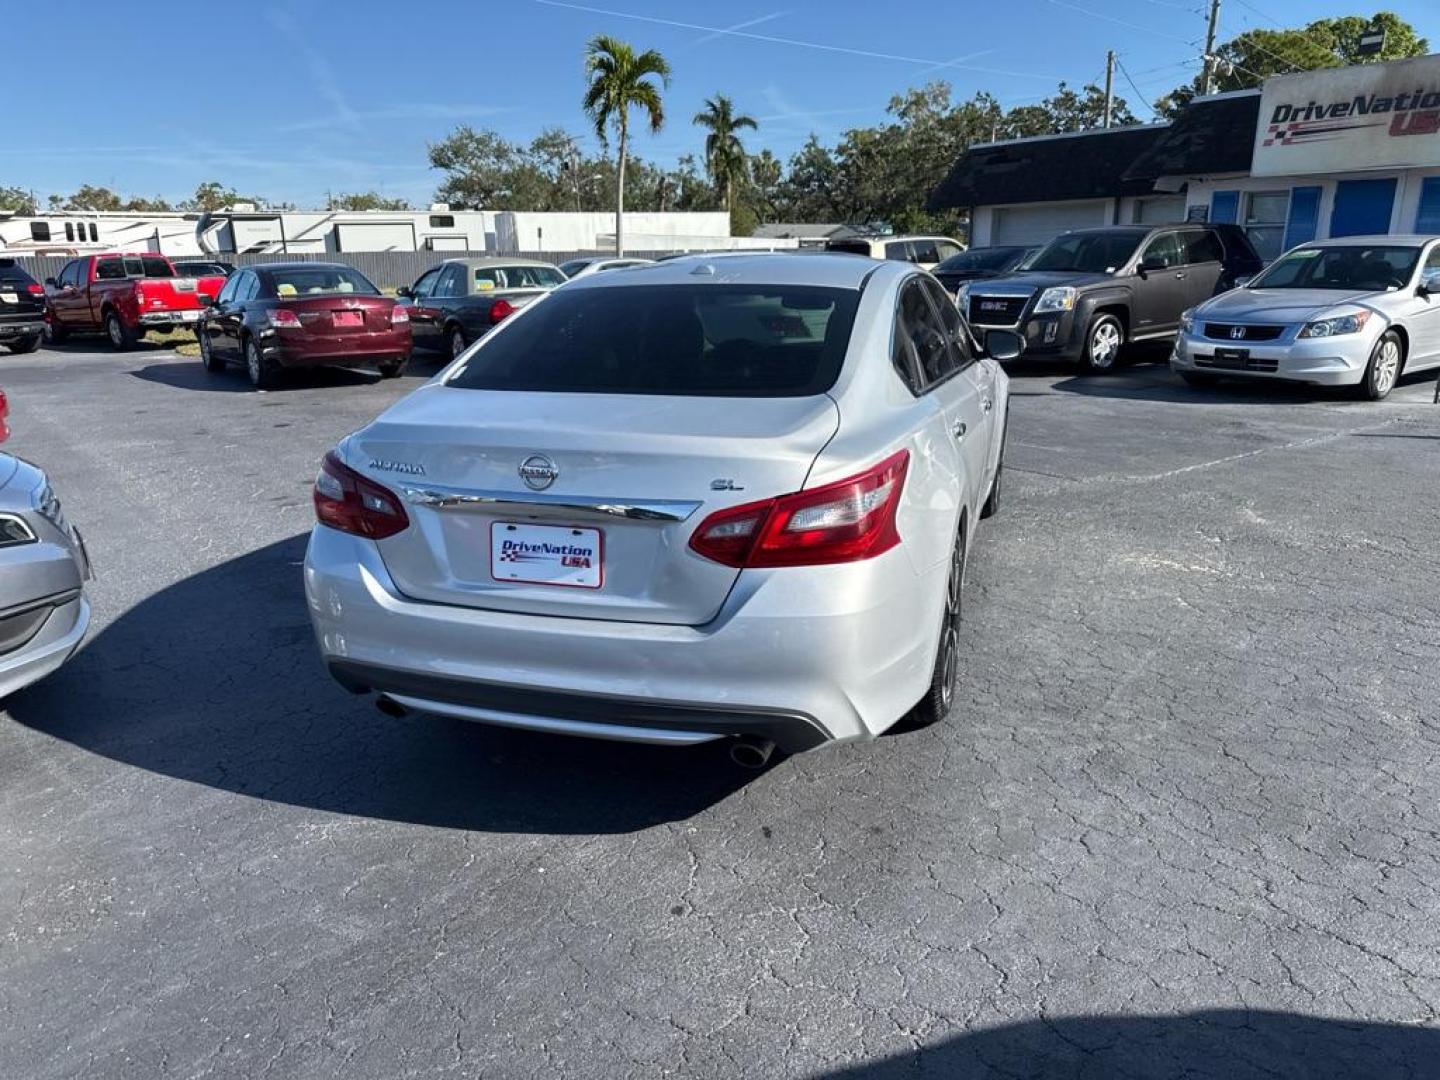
[(387, 269)]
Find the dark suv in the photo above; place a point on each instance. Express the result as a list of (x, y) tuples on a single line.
[(1089, 292), (22, 308)]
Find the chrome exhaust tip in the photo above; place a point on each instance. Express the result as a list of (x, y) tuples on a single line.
[(751, 751)]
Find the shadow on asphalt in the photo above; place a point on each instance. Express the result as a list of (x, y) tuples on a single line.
[(1164, 386), (190, 374), (1220, 1044), (216, 680)]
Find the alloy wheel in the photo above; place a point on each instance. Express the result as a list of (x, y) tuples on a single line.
[(949, 665), (1387, 366), (1104, 345), (457, 342)]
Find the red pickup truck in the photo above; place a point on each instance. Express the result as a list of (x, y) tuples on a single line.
[(123, 295)]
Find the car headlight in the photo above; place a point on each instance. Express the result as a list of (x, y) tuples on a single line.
[(962, 295), (1339, 324), (1187, 321), (1060, 298)]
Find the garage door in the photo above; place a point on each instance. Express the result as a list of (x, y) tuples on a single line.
[(1037, 224)]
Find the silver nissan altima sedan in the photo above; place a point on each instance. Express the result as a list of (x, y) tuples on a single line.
[(1358, 311), (719, 496)]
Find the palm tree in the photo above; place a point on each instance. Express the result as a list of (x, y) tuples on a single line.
[(725, 157), (620, 79)]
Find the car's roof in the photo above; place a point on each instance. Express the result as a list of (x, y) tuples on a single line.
[(270, 266), (492, 260), (1388, 239), (829, 269)]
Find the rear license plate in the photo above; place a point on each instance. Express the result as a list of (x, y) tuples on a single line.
[(10, 297), (347, 318), (546, 555), (190, 316)]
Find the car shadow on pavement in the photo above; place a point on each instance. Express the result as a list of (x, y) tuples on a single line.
[(1218, 1044), (1162, 385), (216, 680), (187, 374)]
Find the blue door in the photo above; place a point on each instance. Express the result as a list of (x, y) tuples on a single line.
[(1362, 207)]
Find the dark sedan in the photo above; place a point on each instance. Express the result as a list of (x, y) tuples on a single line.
[(287, 315), (459, 300), (980, 263)]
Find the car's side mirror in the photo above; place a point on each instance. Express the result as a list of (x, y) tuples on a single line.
[(1151, 264), (1003, 344), (1429, 283), (1243, 280), (404, 292), (52, 283)]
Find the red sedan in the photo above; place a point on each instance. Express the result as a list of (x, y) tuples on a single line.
[(287, 315)]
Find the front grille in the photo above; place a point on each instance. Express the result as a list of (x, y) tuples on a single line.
[(1238, 363), (997, 310), (1247, 331)]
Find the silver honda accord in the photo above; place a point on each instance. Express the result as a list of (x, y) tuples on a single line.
[(723, 495), (43, 569), (1353, 312)]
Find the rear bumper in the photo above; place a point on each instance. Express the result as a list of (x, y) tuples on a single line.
[(799, 658), (321, 349), (48, 649), (1334, 361), (155, 319), (22, 327)]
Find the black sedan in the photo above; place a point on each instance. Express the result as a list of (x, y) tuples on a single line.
[(979, 263), (459, 300)]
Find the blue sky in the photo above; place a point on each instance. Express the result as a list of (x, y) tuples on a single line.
[(308, 97)]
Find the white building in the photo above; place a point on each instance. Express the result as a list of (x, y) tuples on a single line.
[(1336, 152), (248, 230)]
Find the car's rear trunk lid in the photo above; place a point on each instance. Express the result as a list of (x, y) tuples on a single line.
[(633, 476)]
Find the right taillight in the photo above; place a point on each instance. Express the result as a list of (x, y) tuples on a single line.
[(846, 521), (347, 501), (501, 309)]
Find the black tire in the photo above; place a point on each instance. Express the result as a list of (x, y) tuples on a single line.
[(940, 697), (1201, 380), (55, 333), (393, 369), (208, 357), (992, 501), (1387, 361), (457, 339), (25, 344), (1104, 338), (263, 375), (121, 337)]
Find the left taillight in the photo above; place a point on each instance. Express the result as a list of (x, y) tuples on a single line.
[(347, 501), (501, 309), (35, 289), (849, 520), (282, 319), (399, 315)]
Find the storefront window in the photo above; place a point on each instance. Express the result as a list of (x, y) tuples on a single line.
[(1265, 213)]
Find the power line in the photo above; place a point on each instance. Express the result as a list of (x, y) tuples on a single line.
[(1118, 22), (1121, 65)]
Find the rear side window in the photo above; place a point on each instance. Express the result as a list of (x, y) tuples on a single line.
[(680, 340), (299, 281), (1203, 247), (109, 270), (922, 343), (924, 251)]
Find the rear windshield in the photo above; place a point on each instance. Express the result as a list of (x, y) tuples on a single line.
[(199, 269), (850, 247), (1348, 267), (979, 259), (11, 273), (682, 340), (1090, 253), (319, 281), (517, 277), (131, 266), (573, 267)]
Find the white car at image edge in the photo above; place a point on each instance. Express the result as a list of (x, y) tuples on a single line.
[(701, 499), (1359, 312)]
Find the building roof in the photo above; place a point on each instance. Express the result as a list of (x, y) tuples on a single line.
[(797, 230), (1047, 168), (1213, 135)]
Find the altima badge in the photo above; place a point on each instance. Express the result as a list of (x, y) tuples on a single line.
[(538, 472), (398, 466)]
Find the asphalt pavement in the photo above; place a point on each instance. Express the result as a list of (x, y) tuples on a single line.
[(1184, 822)]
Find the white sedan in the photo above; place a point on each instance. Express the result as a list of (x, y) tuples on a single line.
[(708, 498), (1357, 312)]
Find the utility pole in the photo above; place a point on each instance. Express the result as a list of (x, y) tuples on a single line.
[(1109, 86), (1209, 76)]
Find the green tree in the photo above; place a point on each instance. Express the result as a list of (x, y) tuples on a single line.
[(478, 167), (17, 200), (621, 79), (157, 205), (87, 197), (1066, 111), (767, 175), (213, 195), (1247, 60), (364, 200), (726, 161)]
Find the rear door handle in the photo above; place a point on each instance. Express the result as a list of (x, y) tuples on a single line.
[(960, 429), (987, 405), (1180, 275)]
